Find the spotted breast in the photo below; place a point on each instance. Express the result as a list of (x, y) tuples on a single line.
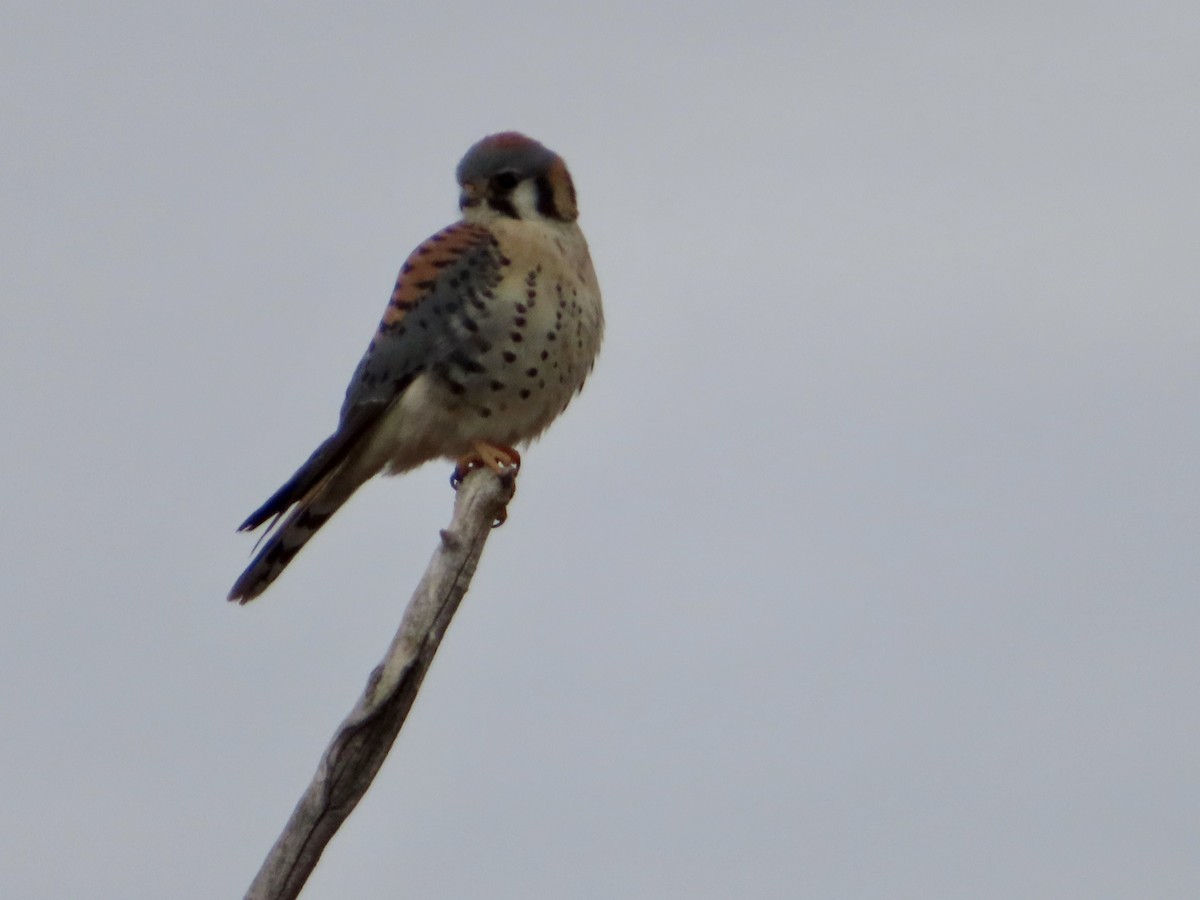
[(494, 325)]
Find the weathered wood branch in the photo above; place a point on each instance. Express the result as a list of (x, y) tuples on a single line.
[(364, 738)]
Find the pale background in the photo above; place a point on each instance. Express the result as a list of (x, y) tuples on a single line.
[(865, 567)]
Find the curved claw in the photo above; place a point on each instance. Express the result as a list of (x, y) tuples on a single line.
[(504, 461)]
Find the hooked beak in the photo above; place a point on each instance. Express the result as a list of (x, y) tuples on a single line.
[(471, 195)]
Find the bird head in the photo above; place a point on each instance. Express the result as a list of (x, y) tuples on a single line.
[(510, 175)]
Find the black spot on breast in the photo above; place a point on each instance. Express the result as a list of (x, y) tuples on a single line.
[(484, 411), (516, 337), (521, 308), (496, 385), (519, 321), (524, 393), (531, 372), (509, 356), (545, 355), (470, 324)]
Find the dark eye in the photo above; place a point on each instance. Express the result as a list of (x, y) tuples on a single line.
[(504, 181)]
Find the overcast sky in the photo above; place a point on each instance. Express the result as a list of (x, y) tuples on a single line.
[(866, 566)]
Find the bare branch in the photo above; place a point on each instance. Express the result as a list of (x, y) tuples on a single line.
[(364, 738)]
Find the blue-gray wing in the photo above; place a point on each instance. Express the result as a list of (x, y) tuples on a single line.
[(427, 323), (428, 317)]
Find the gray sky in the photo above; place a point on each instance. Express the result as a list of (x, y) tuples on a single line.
[(866, 566)]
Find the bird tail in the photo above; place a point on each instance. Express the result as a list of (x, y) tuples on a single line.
[(298, 510), (287, 537), (306, 501)]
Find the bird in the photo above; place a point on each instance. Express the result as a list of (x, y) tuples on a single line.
[(494, 324)]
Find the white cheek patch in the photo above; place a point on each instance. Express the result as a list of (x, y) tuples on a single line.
[(524, 199)]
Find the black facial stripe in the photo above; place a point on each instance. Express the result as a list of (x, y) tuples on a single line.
[(545, 198), (504, 206)]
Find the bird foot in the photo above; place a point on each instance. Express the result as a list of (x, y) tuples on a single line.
[(504, 461)]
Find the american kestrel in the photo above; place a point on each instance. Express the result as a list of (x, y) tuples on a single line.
[(492, 328)]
